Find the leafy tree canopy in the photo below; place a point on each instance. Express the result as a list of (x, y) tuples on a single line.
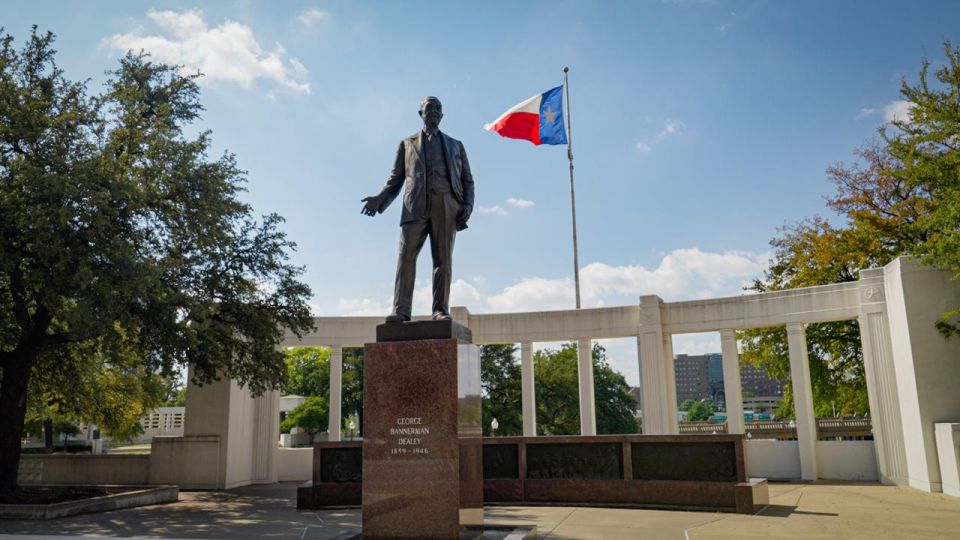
[(308, 372), (119, 232), (87, 384), (701, 411), (925, 149), (501, 393), (901, 196), (312, 415), (557, 394)]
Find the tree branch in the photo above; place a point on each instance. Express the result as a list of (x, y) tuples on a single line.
[(20, 311)]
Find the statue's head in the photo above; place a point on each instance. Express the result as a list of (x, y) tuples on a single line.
[(431, 111)]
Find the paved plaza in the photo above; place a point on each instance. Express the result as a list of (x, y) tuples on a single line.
[(810, 511)]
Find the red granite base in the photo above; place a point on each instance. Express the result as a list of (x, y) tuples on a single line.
[(422, 466)]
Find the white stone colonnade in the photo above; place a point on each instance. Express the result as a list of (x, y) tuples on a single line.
[(912, 372)]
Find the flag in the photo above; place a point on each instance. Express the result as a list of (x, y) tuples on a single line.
[(538, 119)]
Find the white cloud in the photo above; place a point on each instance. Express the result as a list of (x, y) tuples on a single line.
[(461, 294), (898, 110), (520, 203), (682, 274), (228, 52), (671, 128), (496, 209), (865, 112), (692, 344), (464, 294), (358, 307), (311, 17), (534, 294)]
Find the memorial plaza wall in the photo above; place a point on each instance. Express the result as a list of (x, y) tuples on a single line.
[(912, 377)]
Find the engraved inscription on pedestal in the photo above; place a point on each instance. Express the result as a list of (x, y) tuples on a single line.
[(412, 436)]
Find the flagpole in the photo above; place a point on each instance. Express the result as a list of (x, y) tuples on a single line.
[(573, 204)]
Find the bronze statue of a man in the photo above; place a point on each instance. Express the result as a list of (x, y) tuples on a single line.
[(433, 170)]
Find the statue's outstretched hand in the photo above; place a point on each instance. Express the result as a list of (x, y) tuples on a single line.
[(371, 206)]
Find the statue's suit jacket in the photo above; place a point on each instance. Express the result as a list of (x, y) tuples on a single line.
[(410, 172)]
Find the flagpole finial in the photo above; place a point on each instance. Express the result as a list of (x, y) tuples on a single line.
[(566, 69)]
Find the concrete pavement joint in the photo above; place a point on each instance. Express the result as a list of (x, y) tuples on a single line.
[(686, 532), (559, 523)]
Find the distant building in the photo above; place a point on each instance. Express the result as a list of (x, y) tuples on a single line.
[(693, 377), (701, 377), (756, 381), (161, 422), (288, 403)]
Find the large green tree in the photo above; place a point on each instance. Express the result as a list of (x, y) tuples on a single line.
[(312, 416), (308, 372), (901, 196), (117, 229), (926, 149), (84, 384), (557, 394)]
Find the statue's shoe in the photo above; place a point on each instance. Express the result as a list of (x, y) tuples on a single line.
[(395, 318), (441, 316)]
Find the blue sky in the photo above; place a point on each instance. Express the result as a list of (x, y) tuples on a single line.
[(699, 128)]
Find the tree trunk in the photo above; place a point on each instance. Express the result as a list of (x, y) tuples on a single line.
[(13, 403), (48, 435)]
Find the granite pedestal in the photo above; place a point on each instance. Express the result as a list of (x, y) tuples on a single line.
[(422, 446)]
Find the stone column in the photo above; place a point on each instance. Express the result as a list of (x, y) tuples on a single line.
[(265, 429), (654, 395), (336, 392), (230, 439), (527, 389), (881, 379), (948, 455), (731, 381), (588, 410), (803, 401), (669, 369), (925, 362)]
